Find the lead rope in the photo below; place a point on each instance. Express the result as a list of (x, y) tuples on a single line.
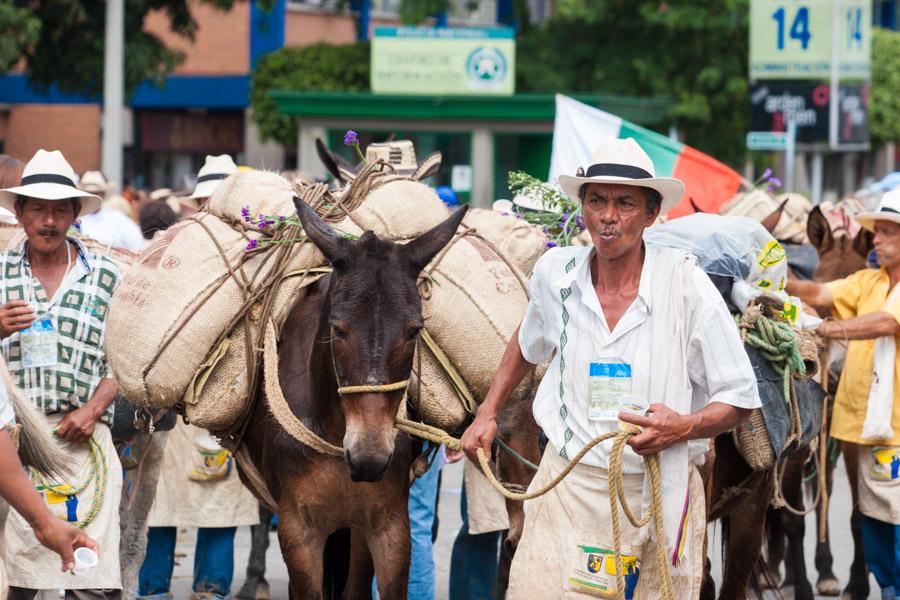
[(288, 421)]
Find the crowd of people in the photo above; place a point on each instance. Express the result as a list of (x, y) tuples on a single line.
[(614, 317)]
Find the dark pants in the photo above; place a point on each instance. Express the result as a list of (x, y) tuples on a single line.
[(881, 545), (474, 561), (17, 593), (213, 561)]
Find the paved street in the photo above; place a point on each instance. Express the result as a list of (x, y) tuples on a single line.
[(449, 517)]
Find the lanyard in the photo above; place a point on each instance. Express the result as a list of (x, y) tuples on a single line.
[(31, 276)]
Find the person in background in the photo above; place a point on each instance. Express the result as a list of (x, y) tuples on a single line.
[(10, 174), (198, 486), (157, 216), (110, 225), (54, 300)]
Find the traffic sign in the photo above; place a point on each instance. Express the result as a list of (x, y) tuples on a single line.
[(767, 140)]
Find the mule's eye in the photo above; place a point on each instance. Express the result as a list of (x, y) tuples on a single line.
[(339, 331), (413, 333)]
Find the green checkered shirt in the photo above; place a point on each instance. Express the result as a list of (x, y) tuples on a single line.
[(79, 314)]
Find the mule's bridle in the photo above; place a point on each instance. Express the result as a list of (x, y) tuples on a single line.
[(375, 388)]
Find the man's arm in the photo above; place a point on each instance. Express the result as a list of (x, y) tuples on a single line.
[(816, 295), (78, 425), (663, 427), (513, 369), (867, 327), (17, 489)]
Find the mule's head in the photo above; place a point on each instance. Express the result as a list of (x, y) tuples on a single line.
[(839, 254), (374, 315)]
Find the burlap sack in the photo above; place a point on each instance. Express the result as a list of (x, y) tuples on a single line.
[(182, 296), (520, 241)]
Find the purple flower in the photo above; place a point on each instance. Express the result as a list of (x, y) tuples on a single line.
[(579, 221), (767, 173), (351, 138), (245, 212), (282, 219), (551, 244), (251, 245), (775, 181), (77, 226), (769, 188)]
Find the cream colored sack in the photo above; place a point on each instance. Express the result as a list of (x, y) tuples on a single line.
[(520, 241)]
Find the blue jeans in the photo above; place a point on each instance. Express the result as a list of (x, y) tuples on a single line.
[(881, 546), (213, 561), (474, 561)]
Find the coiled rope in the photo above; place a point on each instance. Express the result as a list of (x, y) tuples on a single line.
[(98, 474)]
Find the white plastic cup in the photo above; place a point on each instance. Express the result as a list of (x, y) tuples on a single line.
[(85, 560), (630, 404)]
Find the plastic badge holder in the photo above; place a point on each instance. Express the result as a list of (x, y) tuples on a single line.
[(85, 560), (632, 405)]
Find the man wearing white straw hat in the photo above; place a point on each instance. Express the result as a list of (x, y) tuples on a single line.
[(866, 416), (214, 170), (54, 299), (630, 327), (109, 225)]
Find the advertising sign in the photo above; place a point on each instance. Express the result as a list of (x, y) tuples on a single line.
[(444, 60), (774, 104), (792, 39)]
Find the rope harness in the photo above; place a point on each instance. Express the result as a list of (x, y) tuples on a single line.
[(98, 474)]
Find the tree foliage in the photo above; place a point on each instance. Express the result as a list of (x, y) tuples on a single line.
[(63, 41), (319, 68), (884, 101), (691, 51)]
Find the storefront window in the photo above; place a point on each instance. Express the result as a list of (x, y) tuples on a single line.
[(529, 152)]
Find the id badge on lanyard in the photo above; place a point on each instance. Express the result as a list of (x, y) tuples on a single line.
[(608, 380), (39, 343)]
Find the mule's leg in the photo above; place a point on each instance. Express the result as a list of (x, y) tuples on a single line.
[(858, 586), (301, 547), (390, 548), (795, 528), (255, 586), (775, 550), (362, 570), (743, 545), (827, 584)]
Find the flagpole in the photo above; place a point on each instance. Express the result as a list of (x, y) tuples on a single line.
[(113, 95)]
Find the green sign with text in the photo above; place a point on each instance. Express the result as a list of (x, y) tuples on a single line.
[(445, 60), (792, 39)]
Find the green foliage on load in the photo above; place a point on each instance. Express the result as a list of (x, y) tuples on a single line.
[(884, 102), (319, 68), (694, 52), (62, 41)]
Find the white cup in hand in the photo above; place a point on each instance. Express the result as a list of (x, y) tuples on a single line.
[(85, 560)]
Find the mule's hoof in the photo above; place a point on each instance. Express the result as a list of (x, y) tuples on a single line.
[(828, 587), (768, 583)]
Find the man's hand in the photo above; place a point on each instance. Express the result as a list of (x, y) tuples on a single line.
[(15, 316), (663, 428), (63, 538), (78, 425), (480, 434)]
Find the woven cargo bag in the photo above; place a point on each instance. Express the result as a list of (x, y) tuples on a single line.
[(187, 289), (517, 239)]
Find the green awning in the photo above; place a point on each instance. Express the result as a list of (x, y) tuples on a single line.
[(648, 112)]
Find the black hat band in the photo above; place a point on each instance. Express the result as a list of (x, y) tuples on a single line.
[(212, 177), (47, 178), (617, 170)]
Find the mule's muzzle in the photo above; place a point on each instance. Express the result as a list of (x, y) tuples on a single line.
[(367, 468)]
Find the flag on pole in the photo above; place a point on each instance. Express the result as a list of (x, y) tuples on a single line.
[(579, 127)]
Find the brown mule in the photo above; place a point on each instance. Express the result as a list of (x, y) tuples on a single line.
[(357, 326)]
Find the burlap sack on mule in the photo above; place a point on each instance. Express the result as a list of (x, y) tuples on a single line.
[(182, 294), (520, 241)]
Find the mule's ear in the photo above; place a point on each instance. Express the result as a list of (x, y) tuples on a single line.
[(771, 222), (428, 167), (421, 250), (329, 160), (864, 242), (333, 246), (694, 206), (818, 230)]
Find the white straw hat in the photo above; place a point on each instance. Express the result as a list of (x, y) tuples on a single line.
[(48, 176), (214, 171), (93, 182), (888, 210), (624, 162)]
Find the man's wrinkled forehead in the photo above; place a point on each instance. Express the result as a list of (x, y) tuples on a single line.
[(887, 227), (611, 191)]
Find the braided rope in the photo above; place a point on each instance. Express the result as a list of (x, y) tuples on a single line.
[(364, 389), (99, 474)]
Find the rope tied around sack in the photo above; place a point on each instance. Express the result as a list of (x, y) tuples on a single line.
[(98, 474)]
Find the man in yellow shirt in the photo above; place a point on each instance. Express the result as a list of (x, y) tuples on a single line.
[(867, 308)]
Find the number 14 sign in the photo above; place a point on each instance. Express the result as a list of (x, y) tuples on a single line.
[(793, 39)]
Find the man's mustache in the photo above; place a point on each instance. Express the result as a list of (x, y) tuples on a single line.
[(48, 232)]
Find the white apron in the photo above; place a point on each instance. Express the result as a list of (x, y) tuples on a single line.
[(32, 566), (575, 515), (183, 502), (485, 507)]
